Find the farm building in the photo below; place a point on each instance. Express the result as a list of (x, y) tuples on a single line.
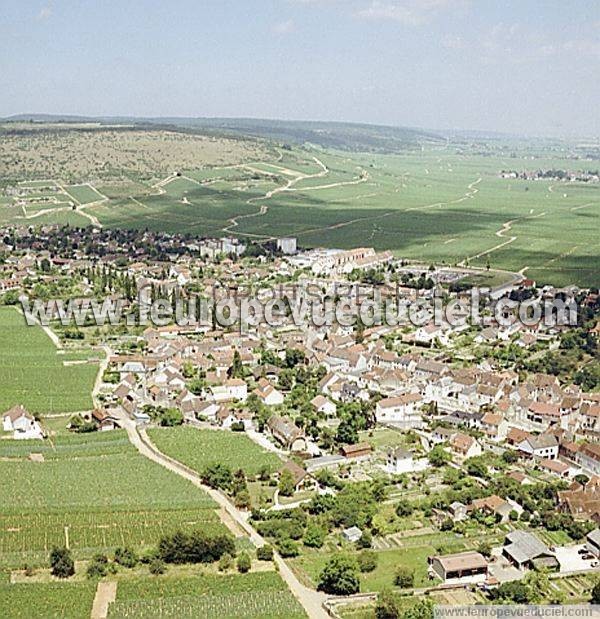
[(463, 567), (526, 551), (21, 423)]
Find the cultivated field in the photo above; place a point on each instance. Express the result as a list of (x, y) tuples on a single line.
[(92, 492), (199, 448), (55, 600), (32, 372), (444, 203), (254, 595)]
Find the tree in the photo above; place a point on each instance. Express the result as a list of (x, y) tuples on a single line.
[(596, 594), (265, 553), (423, 609), (244, 563), (171, 417), (438, 456), (217, 476), (404, 577), (237, 369), (404, 508), (485, 548), (225, 563), (314, 536), (388, 605), (287, 485), (288, 548), (347, 432), (61, 563), (157, 567), (340, 576)]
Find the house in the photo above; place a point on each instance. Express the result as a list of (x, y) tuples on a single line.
[(299, 475), (458, 511), (21, 423), (494, 426), (593, 542), (104, 420), (324, 406), (359, 451), (555, 467), (525, 551), (287, 433), (465, 445), (492, 505), (399, 461), (352, 534), (588, 457), (463, 567), (402, 411), (582, 502), (544, 446), (232, 389), (267, 394)]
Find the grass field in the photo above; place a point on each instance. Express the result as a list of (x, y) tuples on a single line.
[(253, 595), (199, 448), (48, 600), (94, 492), (32, 372)]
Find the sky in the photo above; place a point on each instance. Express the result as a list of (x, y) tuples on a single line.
[(528, 67)]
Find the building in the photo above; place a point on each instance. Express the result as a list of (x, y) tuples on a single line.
[(353, 534), (358, 451), (544, 446), (525, 551), (399, 461), (104, 420), (324, 406), (267, 394), (463, 567), (401, 411), (287, 245), (588, 457), (593, 542), (287, 433), (21, 423)]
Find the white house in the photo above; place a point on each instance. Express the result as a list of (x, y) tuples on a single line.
[(403, 411), (322, 405), (232, 389), (544, 446), (267, 394), (21, 423)]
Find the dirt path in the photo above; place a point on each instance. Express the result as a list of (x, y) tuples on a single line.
[(506, 227), (263, 210), (312, 601), (106, 593), (470, 193)]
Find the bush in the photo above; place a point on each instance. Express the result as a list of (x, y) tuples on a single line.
[(195, 547), (288, 548), (404, 577), (365, 541), (265, 553), (314, 536), (97, 567), (171, 417), (157, 567), (225, 563), (61, 563), (126, 557), (388, 605), (244, 563), (367, 561)]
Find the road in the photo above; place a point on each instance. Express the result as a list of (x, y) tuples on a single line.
[(311, 601)]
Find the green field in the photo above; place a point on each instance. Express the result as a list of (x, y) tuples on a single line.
[(94, 491), (32, 372), (48, 600), (199, 448), (254, 595), (446, 204)]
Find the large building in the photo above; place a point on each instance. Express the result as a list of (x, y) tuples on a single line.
[(463, 567)]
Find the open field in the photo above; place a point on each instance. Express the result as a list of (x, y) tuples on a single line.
[(444, 203), (76, 497), (55, 600), (253, 595), (32, 372), (199, 448)]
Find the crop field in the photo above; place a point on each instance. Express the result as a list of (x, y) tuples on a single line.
[(49, 600), (75, 497), (253, 595), (444, 203), (32, 372), (199, 448)]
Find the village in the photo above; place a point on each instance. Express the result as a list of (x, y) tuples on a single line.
[(450, 431)]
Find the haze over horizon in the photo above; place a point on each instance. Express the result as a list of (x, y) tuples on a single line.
[(437, 64)]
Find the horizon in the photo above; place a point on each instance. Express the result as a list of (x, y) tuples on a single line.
[(446, 65)]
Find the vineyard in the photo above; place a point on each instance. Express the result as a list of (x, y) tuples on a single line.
[(32, 372), (92, 492), (252, 595), (199, 448), (48, 600)]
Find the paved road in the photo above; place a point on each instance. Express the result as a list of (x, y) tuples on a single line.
[(312, 601)]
